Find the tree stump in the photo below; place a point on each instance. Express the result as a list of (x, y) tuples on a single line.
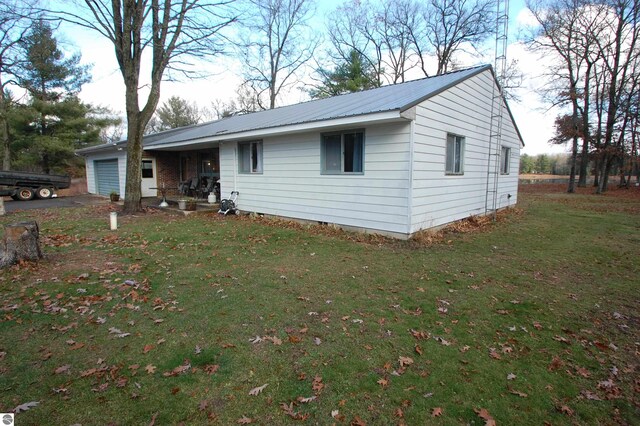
[(21, 242)]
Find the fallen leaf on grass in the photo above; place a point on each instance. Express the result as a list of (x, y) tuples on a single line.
[(178, 370), (147, 348), (405, 360), (151, 369), (436, 412), (317, 384), (211, 368), (590, 395), (493, 354), (357, 421), (288, 410), (517, 392), (244, 420), (555, 364), (306, 400), (484, 415), (62, 369), (511, 376), (418, 349), (564, 409), (258, 390), (561, 339), (26, 406), (383, 382)]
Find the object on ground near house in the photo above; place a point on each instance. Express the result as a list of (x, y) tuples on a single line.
[(21, 242), (25, 186), (229, 205), (114, 196)]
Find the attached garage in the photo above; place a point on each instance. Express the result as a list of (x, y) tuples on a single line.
[(107, 179)]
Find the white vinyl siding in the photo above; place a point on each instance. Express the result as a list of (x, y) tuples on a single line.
[(293, 185), (464, 109)]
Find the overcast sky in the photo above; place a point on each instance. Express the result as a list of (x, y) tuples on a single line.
[(106, 89)]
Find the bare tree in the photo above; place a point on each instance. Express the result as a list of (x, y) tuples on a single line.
[(15, 20), (453, 25), (173, 31), (278, 43)]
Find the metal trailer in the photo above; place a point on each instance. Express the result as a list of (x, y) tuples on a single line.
[(25, 186)]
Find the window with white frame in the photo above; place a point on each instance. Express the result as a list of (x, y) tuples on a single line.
[(343, 152), (250, 157), (505, 160), (454, 162)]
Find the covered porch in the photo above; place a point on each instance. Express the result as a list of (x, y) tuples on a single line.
[(184, 173)]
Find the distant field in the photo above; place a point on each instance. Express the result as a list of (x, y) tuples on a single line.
[(533, 319)]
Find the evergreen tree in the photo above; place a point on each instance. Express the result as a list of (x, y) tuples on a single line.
[(54, 122), (175, 112), (350, 76)]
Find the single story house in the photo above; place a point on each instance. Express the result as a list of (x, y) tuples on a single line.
[(392, 160)]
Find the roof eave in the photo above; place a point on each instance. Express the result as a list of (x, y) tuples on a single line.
[(359, 120)]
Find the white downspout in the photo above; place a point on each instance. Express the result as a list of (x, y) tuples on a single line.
[(411, 165)]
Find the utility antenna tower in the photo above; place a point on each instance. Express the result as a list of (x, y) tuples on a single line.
[(497, 108)]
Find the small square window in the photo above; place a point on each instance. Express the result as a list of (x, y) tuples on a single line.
[(250, 157), (454, 160), (343, 153), (505, 160), (147, 169)]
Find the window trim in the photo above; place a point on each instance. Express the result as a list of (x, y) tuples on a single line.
[(463, 143), (341, 133), (505, 160), (260, 152)]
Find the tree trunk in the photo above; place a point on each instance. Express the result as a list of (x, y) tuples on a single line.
[(133, 193), (4, 135), (574, 156), (584, 164), (21, 242)]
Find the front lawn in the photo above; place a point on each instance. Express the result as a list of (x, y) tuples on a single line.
[(231, 320)]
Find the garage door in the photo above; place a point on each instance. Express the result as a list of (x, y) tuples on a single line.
[(107, 176)]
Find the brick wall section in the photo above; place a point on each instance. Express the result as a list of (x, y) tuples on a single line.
[(168, 170)]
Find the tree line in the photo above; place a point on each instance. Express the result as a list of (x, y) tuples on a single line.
[(593, 53)]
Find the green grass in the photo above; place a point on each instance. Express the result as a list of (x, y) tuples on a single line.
[(552, 290)]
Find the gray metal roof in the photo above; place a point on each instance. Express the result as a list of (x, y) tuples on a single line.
[(396, 97)]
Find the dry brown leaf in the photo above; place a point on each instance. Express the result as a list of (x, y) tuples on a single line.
[(147, 348), (484, 415), (383, 382), (244, 420), (418, 349), (211, 368), (306, 400), (405, 360), (317, 384), (151, 369), (62, 369), (178, 370), (436, 412), (258, 390), (517, 392), (566, 410), (357, 421)]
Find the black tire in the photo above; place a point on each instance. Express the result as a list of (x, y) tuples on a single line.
[(15, 197), (44, 193), (25, 194)]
